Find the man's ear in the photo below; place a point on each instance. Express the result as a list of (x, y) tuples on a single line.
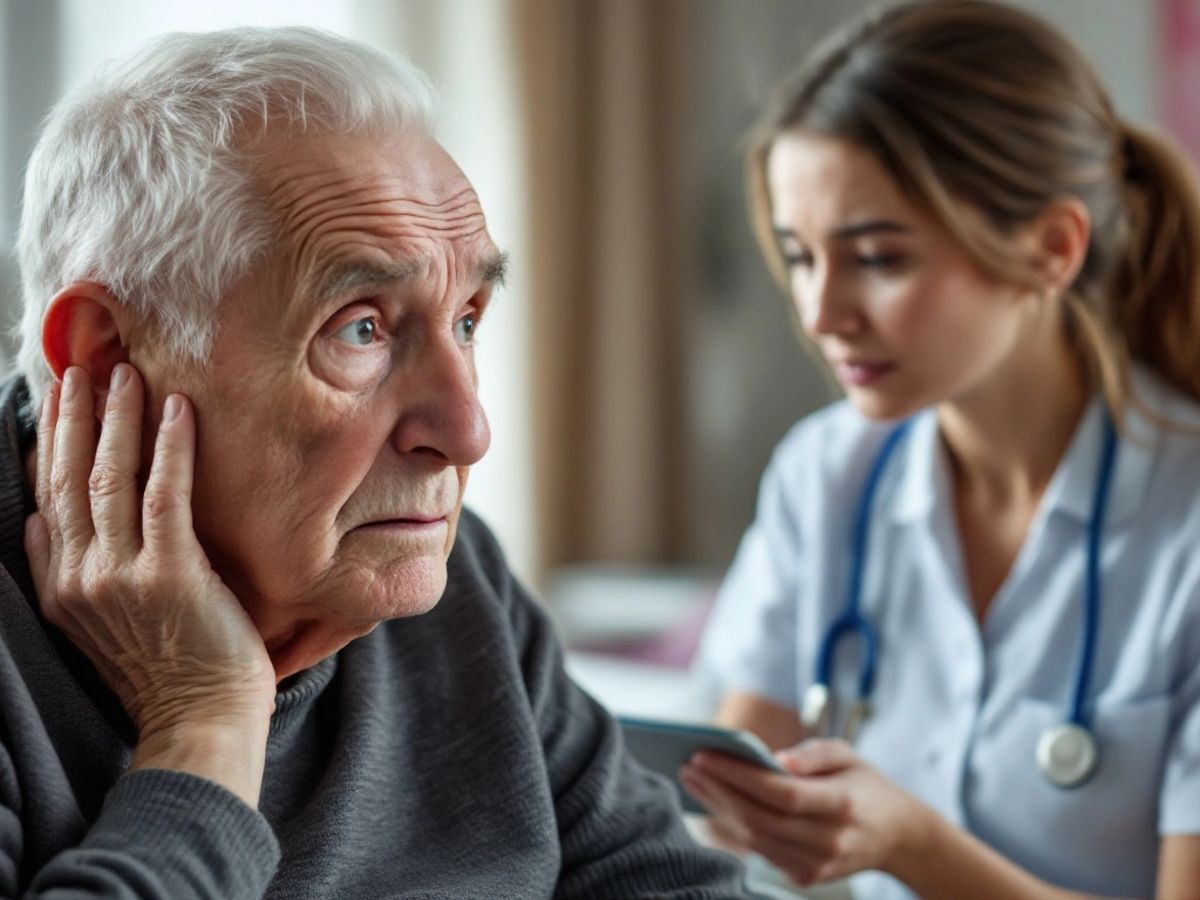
[(1059, 240), (85, 326)]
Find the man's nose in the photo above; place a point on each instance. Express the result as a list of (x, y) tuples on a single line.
[(442, 415)]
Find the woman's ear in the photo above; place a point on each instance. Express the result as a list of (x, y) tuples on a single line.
[(85, 326), (1059, 239)]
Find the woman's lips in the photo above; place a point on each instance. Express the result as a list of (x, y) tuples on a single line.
[(861, 373)]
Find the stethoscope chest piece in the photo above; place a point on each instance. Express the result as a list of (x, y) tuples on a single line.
[(1067, 754), (814, 710)]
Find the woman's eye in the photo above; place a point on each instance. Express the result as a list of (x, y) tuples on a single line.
[(464, 329), (881, 261), (360, 332), (793, 255)]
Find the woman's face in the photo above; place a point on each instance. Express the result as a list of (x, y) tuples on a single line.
[(903, 316)]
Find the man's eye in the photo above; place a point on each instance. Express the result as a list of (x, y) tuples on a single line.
[(464, 329), (360, 332)]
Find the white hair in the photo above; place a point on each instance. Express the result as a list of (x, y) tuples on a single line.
[(140, 180)]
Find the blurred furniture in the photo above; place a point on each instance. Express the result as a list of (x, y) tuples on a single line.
[(630, 634)]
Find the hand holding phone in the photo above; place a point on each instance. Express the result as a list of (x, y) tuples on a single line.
[(665, 746)]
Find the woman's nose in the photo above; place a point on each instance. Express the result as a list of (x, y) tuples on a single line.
[(826, 306)]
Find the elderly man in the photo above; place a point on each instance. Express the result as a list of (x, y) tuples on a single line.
[(250, 644)]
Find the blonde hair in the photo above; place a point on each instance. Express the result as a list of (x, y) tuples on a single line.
[(984, 115)]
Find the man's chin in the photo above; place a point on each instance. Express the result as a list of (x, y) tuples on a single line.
[(405, 588), (347, 604)]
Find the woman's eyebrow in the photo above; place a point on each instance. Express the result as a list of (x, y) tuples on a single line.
[(871, 226), (852, 230)]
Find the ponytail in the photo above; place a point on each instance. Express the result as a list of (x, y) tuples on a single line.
[(1154, 295), (931, 91)]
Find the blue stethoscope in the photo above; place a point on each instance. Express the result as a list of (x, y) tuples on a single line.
[(1067, 753)]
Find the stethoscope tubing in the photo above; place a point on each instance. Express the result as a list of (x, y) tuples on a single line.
[(1093, 586), (851, 619)]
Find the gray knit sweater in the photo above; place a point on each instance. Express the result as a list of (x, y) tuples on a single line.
[(441, 756)]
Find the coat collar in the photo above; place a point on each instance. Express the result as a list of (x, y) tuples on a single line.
[(922, 479)]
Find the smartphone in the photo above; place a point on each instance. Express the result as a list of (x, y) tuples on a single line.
[(664, 747)]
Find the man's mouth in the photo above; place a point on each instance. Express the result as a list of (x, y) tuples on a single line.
[(407, 522)]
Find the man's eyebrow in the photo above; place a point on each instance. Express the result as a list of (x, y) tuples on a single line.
[(494, 269), (347, 276)]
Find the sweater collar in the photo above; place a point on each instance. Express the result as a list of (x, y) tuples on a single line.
[(17, 432)]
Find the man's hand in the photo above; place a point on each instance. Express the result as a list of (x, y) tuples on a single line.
[(832, 815), (121, 572)]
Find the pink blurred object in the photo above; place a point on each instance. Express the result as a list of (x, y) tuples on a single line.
[(1180, 71), (672, 648)]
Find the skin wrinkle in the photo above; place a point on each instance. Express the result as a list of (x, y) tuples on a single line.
[(297, 447), (340, 435), (343, 278), (302, 199), (314, 232), (450, 222), (308, 222)]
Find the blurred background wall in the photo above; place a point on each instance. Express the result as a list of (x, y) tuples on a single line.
[(667, 367), (640, 366)]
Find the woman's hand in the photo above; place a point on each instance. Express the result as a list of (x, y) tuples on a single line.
[(121, 572), (830, 816)]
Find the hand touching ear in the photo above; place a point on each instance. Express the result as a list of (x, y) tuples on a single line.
[(120, 571)]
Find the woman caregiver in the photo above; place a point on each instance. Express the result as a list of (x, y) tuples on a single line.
[(978, 577)]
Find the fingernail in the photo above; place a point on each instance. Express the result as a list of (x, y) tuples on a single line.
[(172, 408), (70, 384), (120, 377)]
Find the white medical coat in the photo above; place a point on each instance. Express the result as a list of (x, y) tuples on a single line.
[(959, 705)]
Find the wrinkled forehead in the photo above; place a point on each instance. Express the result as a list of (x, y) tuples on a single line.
[(358, 201)]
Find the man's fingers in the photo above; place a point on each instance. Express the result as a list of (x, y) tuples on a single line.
[(167, 503), (782, 793), (71, 464), (45, 458), (45, 445), (37, 549), (113, 482)]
